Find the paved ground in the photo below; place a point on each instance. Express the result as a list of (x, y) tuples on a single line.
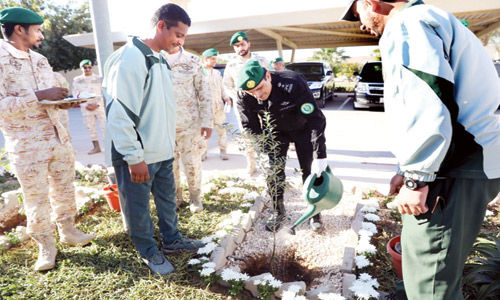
[(357, 148)]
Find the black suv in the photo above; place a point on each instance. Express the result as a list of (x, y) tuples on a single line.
[(369, 90), (319, 77)]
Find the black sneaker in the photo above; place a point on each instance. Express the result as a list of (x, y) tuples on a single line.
[(182, 244), (158, 263), (316, 224), (274, 223)]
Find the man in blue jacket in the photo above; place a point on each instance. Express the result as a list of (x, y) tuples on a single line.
[(140, 134), (441, 92)]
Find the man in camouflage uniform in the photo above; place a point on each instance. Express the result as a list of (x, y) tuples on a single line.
[(194, 121), (241, 46), (219, 98), (93, 109), (37, 143), (63, 113)]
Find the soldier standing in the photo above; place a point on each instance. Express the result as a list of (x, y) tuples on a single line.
[(278, 64), (287, 98), (219, 99), (241, 46), (37, 143), (194, 121), (93, 110)]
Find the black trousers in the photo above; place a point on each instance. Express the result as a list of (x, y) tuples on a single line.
[(304, 149)]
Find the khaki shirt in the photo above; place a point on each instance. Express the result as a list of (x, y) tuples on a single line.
[(218, 94), (25, 124), (89, 85), (192, 93), (233, 67)]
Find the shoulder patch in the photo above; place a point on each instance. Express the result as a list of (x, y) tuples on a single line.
[(307, 108)]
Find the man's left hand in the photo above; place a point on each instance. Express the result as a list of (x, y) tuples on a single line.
[(412, 202), (69, 105), (91, 106), (206, 132)]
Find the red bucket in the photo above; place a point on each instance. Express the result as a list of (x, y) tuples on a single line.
[(396, 257), (111, 193)]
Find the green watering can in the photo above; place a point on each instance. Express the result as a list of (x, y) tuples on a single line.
[(320, 194)]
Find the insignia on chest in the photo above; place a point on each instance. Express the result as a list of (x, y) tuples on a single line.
[(286, 86)]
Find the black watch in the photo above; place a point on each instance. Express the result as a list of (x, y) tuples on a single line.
[(413, 184)]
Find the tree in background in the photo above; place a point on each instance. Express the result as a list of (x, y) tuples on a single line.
[(494, 40), (60, 20), (333, 56), (377, 55)]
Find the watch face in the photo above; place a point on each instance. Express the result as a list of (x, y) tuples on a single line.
[(411, 184)]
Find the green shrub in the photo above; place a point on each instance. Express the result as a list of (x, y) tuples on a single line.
[(482, 272)]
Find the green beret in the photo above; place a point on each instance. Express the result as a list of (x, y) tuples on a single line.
[(277, 59), (19, 15), (237, 37), (465, 22), (85, 62), (209, 52), (250, 75)]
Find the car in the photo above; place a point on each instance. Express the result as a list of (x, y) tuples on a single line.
[(220, 68), (369, 88), (319, 77)]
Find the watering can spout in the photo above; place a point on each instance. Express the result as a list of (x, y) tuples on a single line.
[(320, 194)]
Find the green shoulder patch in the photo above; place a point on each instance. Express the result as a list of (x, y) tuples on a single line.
[(307, 108)]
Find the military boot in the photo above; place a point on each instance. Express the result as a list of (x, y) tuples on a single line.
[(223, 154), (96, 149), (47, 251), (70, 235), (250, 164), (195, 204), (178, 197), (278, 218)]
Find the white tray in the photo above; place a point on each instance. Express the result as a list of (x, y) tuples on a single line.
[(65, 100)]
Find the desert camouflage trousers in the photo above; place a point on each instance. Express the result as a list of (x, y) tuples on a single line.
[(64, 118), (188, 148), (219, 120), (90, 118), (46, 178)]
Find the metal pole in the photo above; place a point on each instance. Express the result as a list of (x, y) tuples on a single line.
[(102, 31)]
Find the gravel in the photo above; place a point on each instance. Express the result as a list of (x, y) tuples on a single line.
[(323, 251)]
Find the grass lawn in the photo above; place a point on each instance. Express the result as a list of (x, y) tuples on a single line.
[(110, 267)]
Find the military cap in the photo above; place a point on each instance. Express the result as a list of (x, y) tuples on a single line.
[(250, 75), (277, 59), (19, 15), (237, 37), (210, 52), (465, 22), (348, 14), (85, 62)]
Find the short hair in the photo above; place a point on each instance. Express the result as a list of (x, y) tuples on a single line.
[(8, 28), (171, 14)]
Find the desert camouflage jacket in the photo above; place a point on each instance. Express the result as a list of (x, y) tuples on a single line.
[(26, 124)]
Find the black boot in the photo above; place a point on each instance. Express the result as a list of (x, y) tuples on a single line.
[(279, 216)]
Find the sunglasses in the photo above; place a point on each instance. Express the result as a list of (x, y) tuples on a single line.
[(87, 67)]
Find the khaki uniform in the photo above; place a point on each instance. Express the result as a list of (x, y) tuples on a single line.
[(36, 140), (194, 111), (229, 80), (63, 113), (218, 99), (91, 85)]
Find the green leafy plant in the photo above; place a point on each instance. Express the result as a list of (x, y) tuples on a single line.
[(482, 272), (267, 287)]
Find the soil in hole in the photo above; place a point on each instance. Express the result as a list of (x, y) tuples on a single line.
[(287, 266)]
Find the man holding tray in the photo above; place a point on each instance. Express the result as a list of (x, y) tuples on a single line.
[(36, 140)]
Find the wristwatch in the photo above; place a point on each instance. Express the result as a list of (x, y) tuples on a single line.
[(413, 184)]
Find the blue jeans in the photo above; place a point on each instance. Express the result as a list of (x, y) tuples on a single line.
[(134, 202)]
